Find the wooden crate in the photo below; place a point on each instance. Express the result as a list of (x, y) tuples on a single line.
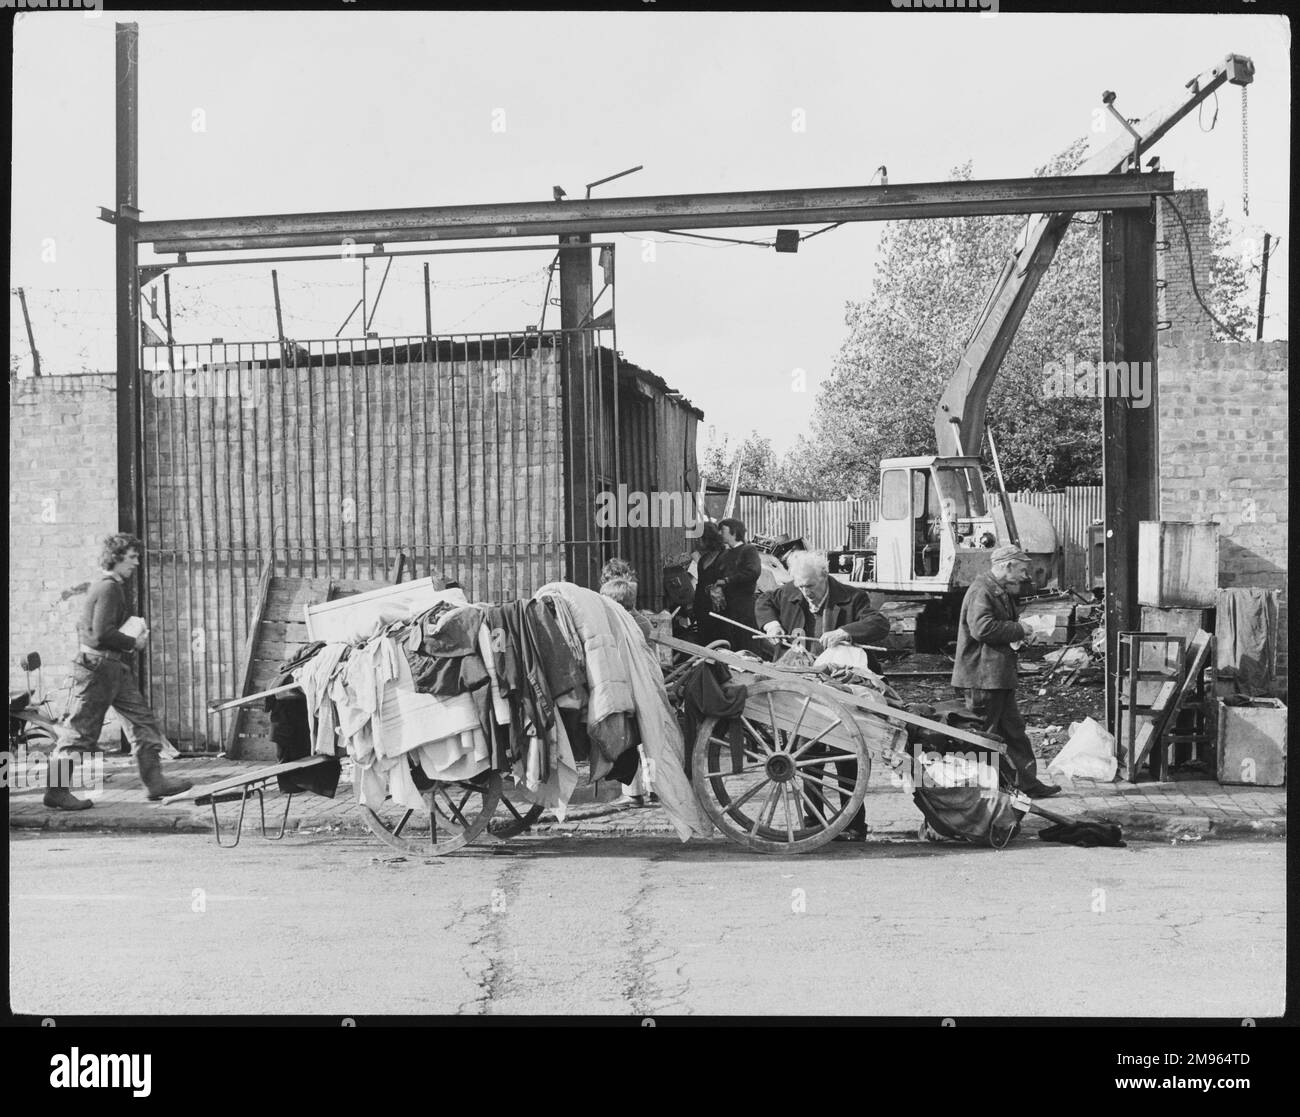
[(354, 617), (1177, 622), (1178, 564)]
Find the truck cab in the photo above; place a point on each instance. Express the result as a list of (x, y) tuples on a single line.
[(935, 530)]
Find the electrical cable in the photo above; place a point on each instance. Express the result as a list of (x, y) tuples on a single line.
[(818, 232), (1200, 111), (1191, 267), (826, 229), (705, 236)]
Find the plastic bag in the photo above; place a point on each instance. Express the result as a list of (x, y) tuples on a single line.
[(1089, 753)]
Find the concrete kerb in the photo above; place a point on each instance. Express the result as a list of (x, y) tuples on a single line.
[(599, 820), (1143, 826), (1137, 826)]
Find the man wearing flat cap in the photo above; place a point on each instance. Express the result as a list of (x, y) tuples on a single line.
[(986, 664)]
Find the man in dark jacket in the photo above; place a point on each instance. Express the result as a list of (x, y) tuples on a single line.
[(986, 664), (821, 606), (824, 607), (737, 577), (103, 675)]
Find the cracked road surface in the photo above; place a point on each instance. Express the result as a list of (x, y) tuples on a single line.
[(339, 925)]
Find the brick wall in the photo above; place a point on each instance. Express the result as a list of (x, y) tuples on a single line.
[(1223, 424), (1176, 300), (62, 502)]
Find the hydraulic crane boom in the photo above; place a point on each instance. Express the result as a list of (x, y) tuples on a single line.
[(959, 417)]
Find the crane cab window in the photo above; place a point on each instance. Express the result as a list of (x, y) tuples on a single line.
[(928, 523), (893, 495), (925, 501)]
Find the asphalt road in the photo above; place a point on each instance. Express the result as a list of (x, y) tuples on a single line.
[(138, 925)]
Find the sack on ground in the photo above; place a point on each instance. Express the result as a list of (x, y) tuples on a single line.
[(970, 814), (1089, 753), (961, 799)]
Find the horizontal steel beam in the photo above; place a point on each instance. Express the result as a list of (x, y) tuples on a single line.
[(901, 201), (150, 272)]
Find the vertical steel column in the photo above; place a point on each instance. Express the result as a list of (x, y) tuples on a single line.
[(387, 460), (406, 440), (575, 304), (130, 449), (130, 511), (1129, 434)]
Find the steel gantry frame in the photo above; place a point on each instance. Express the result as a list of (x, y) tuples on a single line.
[(1126, 202)]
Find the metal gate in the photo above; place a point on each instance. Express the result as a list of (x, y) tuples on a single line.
[(329, 459)]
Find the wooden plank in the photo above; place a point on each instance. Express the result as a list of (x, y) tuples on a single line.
[(247, 779), (1170, 699), (220, 704), (1198, 654), (347, 587), (861, 702), (289, 604), (277, 637), (789, 712), (263, 589), (285, 632)]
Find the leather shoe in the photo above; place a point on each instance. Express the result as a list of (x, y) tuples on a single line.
[(1040, 790)]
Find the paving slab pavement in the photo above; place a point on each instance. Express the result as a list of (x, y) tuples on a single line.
[(1171, 810)]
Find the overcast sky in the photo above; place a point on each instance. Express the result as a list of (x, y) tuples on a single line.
[(280, 112)]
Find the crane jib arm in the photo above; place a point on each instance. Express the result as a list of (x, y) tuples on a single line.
[(959, 417)]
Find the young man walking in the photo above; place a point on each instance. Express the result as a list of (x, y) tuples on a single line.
[(103, 675)]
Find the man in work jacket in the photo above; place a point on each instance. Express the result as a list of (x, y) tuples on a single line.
[(826, 608), (821, 606), (986, 665), (103, 675)]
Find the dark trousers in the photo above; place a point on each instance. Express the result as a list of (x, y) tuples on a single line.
[(99, 682), (843, 773), (999, 715)]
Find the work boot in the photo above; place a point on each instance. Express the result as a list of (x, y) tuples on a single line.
[(58, 797), (156, 784), (1040, 790)]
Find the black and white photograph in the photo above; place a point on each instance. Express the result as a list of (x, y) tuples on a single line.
[(653, 517)]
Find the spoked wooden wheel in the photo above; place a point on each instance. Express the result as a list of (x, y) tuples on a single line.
[(514, 816), (786, 785), (455, 814)]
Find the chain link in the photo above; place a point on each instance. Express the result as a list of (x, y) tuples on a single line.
[(1245, 157)]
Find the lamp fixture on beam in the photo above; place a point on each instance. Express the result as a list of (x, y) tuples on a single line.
[(611, 178)]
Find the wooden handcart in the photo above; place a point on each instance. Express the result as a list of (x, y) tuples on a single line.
[(792, 769), (785, 775)]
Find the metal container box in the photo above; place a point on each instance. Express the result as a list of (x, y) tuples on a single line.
[(1252, 743), (1178, 564)]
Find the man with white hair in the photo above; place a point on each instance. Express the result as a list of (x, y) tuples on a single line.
[(820, 605), (834, 613), (986, 664)]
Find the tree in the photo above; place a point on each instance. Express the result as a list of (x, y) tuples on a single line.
[(759, 468), (1231, 286), (905, 341)]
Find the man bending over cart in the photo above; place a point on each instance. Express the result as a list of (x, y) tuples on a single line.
[(833, 613)]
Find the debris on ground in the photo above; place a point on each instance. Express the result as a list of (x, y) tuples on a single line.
[(1048, 704)]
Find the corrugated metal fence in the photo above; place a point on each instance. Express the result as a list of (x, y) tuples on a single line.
[(824, 524), (323, 459)]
